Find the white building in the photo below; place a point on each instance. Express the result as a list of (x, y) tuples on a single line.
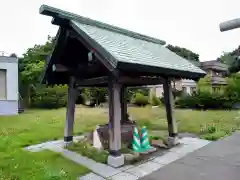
[(8, 85)]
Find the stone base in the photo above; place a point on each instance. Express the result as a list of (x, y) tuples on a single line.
[(173, 141), (67, 143), (115, 161)]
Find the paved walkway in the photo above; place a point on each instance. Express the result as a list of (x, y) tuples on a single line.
[(219, 160), (129, 172)]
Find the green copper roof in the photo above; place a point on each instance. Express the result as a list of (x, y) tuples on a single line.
[(134, 50), (126, 47)]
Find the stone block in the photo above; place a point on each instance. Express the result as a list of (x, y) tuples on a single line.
[(144, 169), (126, 134), (115, 161), (173, 141)]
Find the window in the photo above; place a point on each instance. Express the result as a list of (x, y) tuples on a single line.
[(3, 92)]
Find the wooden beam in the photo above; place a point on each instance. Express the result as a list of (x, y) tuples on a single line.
[(115, 117), (169, 104), (93, 81), (59, 68), (100, 53), (72, 96), (140, 80), (61, 41)]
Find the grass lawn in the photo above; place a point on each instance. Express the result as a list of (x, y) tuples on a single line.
[(35, 126)]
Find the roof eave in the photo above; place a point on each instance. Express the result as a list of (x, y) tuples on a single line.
[(164, 72)]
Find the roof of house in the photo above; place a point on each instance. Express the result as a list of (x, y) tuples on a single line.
[(215, 65), (8, 59), (125, 50)]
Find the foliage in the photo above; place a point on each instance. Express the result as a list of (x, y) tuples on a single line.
[(214, 136), (154, 100), (139, 99), (86, 149), (232, 59), (204, 100), (95, 95), (131, 92), (31, 68), (232, 90), (183, 52), (204, 84), (207, 98), (49, 97)]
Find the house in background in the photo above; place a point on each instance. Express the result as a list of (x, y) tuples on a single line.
[(8, 85), (215, 69)]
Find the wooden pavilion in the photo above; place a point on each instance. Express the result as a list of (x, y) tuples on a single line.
[(90, 53)]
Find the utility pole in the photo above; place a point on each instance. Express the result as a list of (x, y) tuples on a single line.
[(229, 25)]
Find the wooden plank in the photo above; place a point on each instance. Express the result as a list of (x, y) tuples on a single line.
[(169, 104)]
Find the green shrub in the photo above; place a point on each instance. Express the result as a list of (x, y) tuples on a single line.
[(95, 95), (49, 97), (214, 136), (204, 100), (186, 101), (155, 101), (140, 100), (86, 149)]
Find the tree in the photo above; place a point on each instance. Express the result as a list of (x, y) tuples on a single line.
[(31, 67), (232, 60), (95, 95), (183, 52)]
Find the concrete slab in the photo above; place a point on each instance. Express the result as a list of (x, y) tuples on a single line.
[(124, 176), (167, 158), (91, 176), (98, 168), (124, 168), (144, 169)]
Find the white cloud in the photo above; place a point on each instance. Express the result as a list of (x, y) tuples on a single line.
[(187, 23)]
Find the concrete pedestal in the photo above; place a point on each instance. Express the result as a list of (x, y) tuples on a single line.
[(172, 141), (67, 143), (115, 161)]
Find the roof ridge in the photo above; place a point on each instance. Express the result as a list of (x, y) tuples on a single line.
[(55, 12)]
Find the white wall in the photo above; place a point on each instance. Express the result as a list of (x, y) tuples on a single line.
[(184, 83), (12, 76), (10, 105)]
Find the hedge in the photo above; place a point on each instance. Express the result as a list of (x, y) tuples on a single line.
[(205, 100), (49, 97), (139, 99)]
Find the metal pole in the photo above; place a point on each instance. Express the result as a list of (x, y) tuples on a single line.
[(229, 25)]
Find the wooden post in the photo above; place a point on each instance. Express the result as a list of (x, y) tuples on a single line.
[(72, 95), (115, 116), (169, 103), (123, 101), (115, 158)]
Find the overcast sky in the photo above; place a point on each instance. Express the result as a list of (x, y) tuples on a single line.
[(193, 24)]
